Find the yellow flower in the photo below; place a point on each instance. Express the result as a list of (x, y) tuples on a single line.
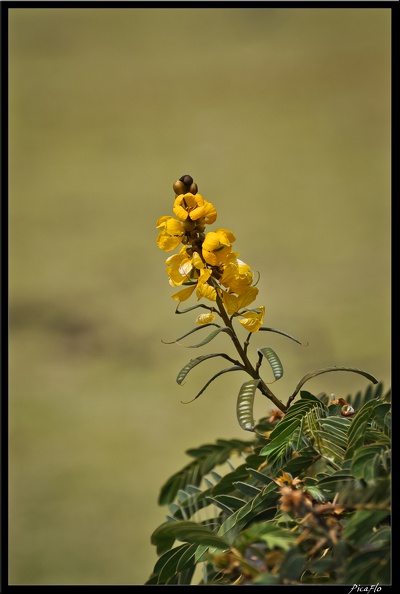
[(237, 275), (179, 269), (182, 268), (235, 302), (171, 233), (217, 247), (210, 213), (253, 320), (206, 290), (205, 318), (203, 288), (195, 207), (183, 294)]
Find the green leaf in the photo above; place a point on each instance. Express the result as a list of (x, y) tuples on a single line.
[(336, 481), (326, 370), (279, 456), (166, 565), (191, 332), (359, 528), (266, 578), (335, 410), (247, 489), (293, 565), (264, 500), (206, 458), (357, 430), (304, 459), (244, 405), (380, 412), (329, 447), (226, 484), (186, 531), (201, 550), (214, 377), (279, 435), (273, 360), (371, 393), (265, 329), (316, 493), (187, 558), (270, 533), (382, 537), (206, 340), (370, 567), (182, 311), (366, 461), (336, 425), (388, 422), (169, 568), (193, 362), (262, 478), (294, 415), (227, 503)]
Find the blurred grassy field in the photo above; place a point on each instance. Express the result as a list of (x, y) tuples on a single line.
[(282, 116)]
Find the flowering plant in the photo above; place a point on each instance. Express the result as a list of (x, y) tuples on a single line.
[(307, 499), (207, 266)]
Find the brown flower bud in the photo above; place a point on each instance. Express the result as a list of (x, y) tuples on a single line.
[(189, 225), (179, 188), (193, 188), (187, 180)]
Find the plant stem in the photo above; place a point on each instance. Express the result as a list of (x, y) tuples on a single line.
[(264, 389)]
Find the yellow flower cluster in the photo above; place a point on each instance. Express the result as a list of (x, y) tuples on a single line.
[(205, 262)]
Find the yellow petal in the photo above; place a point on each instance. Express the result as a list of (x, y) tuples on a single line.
[(237, 275), (247, 297), (252, 320), (161, 222), (167, 243), (189, 205), (230, 302), (211, 241), (218, 256), (183, 294), (197, 261), (252, 325), (204, 275), (227, 235), (178, 269), (205, 290), (210, 258), (205, 318), (210, 213), (171, 233)]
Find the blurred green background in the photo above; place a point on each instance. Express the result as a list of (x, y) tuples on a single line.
[(282, 116)]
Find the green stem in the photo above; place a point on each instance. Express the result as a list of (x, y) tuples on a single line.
[(196, 246), (243, 355)]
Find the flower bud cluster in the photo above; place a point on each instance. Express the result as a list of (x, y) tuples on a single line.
[(205, 262)]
